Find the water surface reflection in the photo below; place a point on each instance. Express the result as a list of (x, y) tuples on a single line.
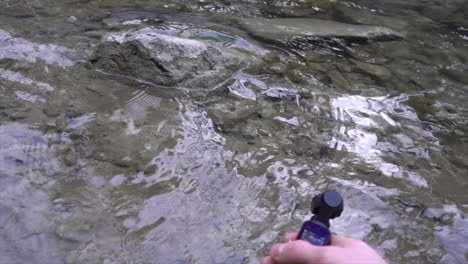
[(100, 168)]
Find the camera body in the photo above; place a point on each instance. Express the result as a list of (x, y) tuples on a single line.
[(325, 206), (315, 233)]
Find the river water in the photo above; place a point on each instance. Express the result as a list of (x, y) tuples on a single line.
[(104, 168)]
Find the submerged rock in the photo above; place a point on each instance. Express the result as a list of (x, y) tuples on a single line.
[(165, 60), (373, 69), (282, 93), (229, 114), (284, 28)]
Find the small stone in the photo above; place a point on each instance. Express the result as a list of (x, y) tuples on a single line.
[(373, 69), (240, 90), (51, 112), (94, 89), (132, 22), (76, 134), (263, 133), (18, 114), (296, 76), (72, 19), (433, 213), (74, 230), (73, 111), (123, 162), (69, 158), (228, 115), (277, 69), (282, 93), (99, 156), (150, 170), (249, 131), (111, 23), (51, 124), (291, 121)]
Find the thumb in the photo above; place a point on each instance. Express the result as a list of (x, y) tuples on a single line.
[(297, 252)]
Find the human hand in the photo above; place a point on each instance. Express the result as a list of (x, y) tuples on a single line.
[(342, 250)]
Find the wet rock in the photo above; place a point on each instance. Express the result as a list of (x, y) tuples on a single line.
[(16, 9), (225, 39), (339, 80), (365, 16), (298, 8), (239, 89), (165, 60), (150, 170), (51, 112), (449, 12), (69, 157), (294, 121), (372, 69), (274, 11), (74, 231), (72, 19), (228, 115), (457, 73), (51, 125), (296, 75), (111, 23), (423, 105), (433, 213), (249, 131), (94, 88), (282, 93), (285, 28), (18, 113), (73, 110), (77, 134), (306, 146)]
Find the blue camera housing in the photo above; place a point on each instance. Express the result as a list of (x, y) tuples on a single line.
[(315, 233), (325, 206)]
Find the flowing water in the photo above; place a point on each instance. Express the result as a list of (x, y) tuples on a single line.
[(105, 168)]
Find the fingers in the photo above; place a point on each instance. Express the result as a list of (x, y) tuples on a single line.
[(339, 241), (296, 252), (344, 242), (290, 236), (268, 260), (341, 250)]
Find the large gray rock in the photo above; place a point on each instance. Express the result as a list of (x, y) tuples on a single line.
[(284, 28), (166, 60)]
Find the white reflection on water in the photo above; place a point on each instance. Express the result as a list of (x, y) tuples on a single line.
[(26, 230), (136, 109), (29, 97), (81, 120), (22, 49), (17, 77), (211, 205), (363, 118), (23, 148), (454, 237), (364, 208)]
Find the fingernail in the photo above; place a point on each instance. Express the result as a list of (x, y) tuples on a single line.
[(277, 250)]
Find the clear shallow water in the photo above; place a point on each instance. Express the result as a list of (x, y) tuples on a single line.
[(98, 168)]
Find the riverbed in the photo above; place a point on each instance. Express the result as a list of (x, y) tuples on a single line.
[(199, 131)]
